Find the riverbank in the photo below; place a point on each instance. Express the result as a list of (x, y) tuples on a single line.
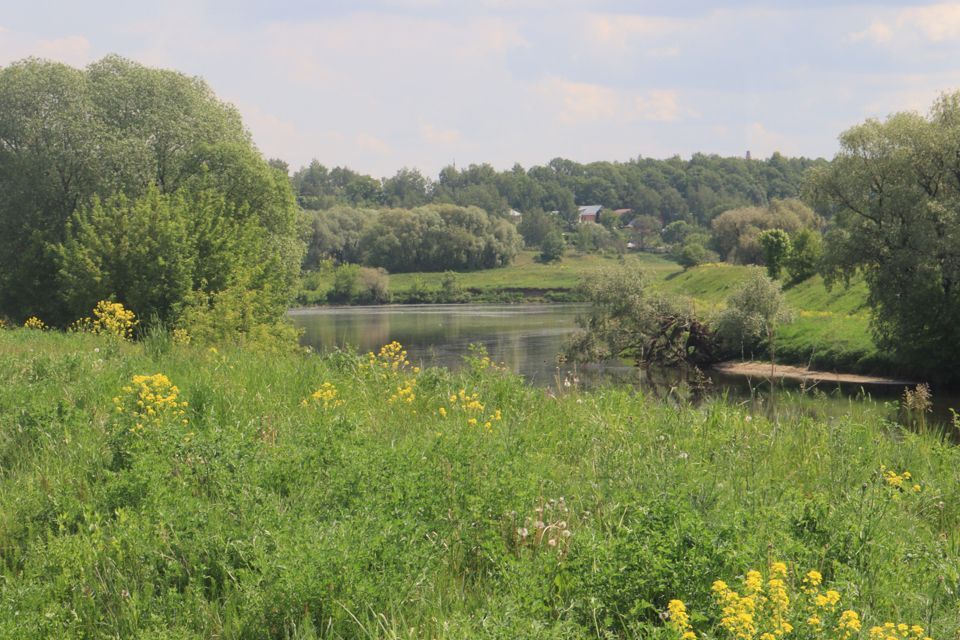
[(830, 330), (340, 497), (802, 374)]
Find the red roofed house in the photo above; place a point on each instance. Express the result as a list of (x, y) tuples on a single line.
[(589, 213)]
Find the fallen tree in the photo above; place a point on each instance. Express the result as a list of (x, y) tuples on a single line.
[(628, 319)]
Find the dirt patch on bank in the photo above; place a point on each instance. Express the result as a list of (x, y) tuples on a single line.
[(801, 374)]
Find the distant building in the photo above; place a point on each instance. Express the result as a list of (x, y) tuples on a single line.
[(589, 213), (622, 212), (515, 216)]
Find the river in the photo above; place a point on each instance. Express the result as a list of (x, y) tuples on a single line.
[(526, 338)]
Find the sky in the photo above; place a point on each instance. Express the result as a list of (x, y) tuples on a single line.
[(377, 85)]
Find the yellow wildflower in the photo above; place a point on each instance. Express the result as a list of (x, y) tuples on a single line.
[(849, 623), (33, 322), (811, 581), (827, 600), (754, 582), (678, 614), (326, 396), (151, 400)]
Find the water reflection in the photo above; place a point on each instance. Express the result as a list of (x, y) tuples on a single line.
[(527, 339)]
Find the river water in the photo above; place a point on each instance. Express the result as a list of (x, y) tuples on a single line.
[(526, 338)]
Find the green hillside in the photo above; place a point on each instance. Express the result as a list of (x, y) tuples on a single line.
[(830, 328)]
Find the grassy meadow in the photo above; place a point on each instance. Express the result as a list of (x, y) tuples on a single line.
[(526, 272), (239, 495)]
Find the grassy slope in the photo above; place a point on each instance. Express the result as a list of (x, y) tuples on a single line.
[(830, 329), (378, 519)]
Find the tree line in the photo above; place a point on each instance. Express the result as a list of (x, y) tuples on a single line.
[(694, 190)]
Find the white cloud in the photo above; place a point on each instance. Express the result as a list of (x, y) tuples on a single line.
[(576, 102), (936, 22), (74, 50), (372, 144), (373, 35), (665, 52), (413, 4), (280, 138), (660, 106), (895, 92), (438, 135), (581, 102), (932, 23), (622, 32), (878, 31), (762, 142)]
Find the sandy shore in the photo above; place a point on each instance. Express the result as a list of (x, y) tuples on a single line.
[(785, 372)]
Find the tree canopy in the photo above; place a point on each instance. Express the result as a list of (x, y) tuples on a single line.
[(428, 238), (894, 192), (106, 167)]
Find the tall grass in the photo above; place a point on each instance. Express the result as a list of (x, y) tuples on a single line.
[(268, 517)]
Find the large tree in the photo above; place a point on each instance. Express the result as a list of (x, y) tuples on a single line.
[(894, 192), (73, 141)]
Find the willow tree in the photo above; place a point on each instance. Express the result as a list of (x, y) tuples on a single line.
[(74, 142), (894, 193)]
